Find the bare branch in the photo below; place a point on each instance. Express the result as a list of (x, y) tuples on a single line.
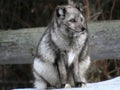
[(70, 2), (112, 9)]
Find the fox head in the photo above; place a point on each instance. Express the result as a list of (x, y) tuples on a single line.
[(71, 17)]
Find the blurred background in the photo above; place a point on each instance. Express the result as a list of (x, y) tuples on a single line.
[(18, 14), (31, 13)]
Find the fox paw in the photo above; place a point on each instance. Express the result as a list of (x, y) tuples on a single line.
[(67, 86), (81, 84)]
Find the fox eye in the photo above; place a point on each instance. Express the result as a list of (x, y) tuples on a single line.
[(72, 20), (81, 19)]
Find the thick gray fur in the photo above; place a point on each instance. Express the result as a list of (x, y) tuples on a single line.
[(62, 55)]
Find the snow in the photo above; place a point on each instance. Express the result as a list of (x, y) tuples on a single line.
[(113, 84)]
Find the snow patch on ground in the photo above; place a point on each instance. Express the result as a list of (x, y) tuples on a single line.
[(113, 84)]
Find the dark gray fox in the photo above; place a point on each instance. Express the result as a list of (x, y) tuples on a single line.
[(62, 54)]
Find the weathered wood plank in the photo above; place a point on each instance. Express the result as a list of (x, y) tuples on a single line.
[(19, 46), (105, 40)]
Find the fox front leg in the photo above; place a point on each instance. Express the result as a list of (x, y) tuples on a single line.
[(76, 74), (62, 69)]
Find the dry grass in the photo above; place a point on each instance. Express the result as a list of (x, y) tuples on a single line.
[(103, 70)]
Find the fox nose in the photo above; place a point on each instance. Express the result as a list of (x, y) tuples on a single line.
[(83, 28)]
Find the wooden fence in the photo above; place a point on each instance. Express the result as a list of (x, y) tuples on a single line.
[(19, 46)]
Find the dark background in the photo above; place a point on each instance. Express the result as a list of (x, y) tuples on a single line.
[(16, 14)]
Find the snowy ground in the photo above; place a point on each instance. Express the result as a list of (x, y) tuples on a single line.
[(113, 84)]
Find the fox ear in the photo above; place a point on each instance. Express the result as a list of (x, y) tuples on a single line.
[(80, 7), (60, 12)]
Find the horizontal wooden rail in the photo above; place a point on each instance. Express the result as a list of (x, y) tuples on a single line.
[(19, 46)]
